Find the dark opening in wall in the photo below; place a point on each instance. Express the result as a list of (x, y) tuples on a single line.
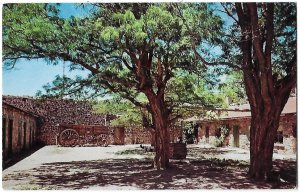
[(24, 136), (10, 136), (20, 130), (294, 130), (279, 137), (218, 132), (207, 132), (3, 133)]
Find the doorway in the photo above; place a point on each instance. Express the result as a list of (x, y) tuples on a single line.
[(10, 137), (3, 133), (207, 134), (236, 136), (24, 140)]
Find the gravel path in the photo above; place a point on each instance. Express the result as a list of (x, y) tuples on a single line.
[(127, 167)]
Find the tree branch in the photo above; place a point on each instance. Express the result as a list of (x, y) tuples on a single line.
[(269, 32), (256, 36), (199, 57), (229, 14)]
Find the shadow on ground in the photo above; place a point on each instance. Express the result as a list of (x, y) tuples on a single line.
[(20, 156), (199, 152), (135, 173)]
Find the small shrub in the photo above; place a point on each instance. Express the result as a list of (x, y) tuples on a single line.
[(223, 133)]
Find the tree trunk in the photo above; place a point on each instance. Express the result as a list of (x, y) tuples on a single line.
[(261, 146), (162, 135), (264, 126), (266, 93)]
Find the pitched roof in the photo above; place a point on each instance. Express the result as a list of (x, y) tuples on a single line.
[(27, 112)]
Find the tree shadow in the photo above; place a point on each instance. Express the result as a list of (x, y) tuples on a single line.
[(200, 152), (138, 174), (287, 169)]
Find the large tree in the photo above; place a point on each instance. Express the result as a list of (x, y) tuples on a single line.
[(261, 42), (268, 47), (129, 49)]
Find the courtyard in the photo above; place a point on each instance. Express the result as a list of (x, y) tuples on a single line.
[(128, 167)]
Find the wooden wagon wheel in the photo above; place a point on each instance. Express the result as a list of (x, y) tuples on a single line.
[(102, 140), (69, 137)]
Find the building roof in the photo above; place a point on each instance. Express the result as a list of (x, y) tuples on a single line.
[(243, 111), (27, 112), (290, 107)]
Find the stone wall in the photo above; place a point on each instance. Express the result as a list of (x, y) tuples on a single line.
[(54, 112), (18, 130)]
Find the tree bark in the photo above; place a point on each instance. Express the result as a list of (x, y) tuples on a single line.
[(265, 119), (262, 135), (162, 134)]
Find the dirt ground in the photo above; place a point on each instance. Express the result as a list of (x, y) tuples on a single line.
[(129, 167)]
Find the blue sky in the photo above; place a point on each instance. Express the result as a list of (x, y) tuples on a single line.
[(29, 76)]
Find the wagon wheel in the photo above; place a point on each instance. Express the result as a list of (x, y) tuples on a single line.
[(69, 137), (102, 140)]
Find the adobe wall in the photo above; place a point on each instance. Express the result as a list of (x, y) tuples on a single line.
[(287, 125), (18, 131)]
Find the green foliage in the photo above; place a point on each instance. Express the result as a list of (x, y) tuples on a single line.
[(285, 30), (285, 45), (108, 43), (126, 113), (223, 133), (188, 132), (232, 87)]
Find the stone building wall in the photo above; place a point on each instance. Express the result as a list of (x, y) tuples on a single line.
[(19, 130), (54, 112), (242, 126)]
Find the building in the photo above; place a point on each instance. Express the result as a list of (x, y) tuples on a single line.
[(53, 113), (238, 120), (19, 130)]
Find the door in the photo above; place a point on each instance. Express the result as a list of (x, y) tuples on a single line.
[(207, 134), (3, 134), (30, 142), (236, 136), (119, 136), (10, 136), (24, 136)]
